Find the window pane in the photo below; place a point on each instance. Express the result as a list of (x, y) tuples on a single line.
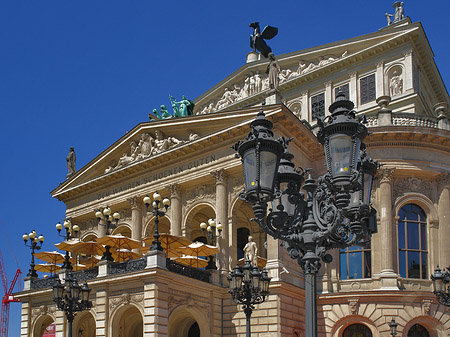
[(367, 264), (418, 331), (424, 265), (423, 237), (345, 90), (357, 330), (402, 263), (318, 106), (413, 264), (413, 235), (367, 89), (412, 216), (354, 265), (343, 271), (401, 235)]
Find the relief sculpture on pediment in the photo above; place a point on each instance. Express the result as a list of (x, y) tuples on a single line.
[(148, 146)]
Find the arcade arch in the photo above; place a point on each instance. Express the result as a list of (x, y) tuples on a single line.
[(127, 321)]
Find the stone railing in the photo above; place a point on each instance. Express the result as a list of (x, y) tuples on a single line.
[(127, 266), (181, 269), (412, 120)]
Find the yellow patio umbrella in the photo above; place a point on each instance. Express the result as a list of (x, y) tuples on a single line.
[(199, 249), (47, 267), (169, 241), (191, 261), (124, 254), (119, 242), (51, 257), (86, 248), (171, 252), (89, 261)]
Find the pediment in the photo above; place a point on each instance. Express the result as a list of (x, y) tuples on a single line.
[(154, 146), (249, 85)]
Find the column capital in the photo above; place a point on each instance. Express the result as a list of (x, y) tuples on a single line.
[(385, 175), (408, 52), (353, 74), (328, 84), (444, 179), (379, 64), (135, 202), (220, 175), (305, 93), (175, 190)]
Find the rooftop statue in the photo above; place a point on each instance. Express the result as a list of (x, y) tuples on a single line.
[(182, 108), (71, 160), (257, 39), (398, 14)]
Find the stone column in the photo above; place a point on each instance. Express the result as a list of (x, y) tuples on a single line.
[(328, 97), (222, 218), (136, 219), (379, 79), (444, 220), (409, 79), (101, 229), (388, 276), (175, 209), (102, 311), (353, 89)]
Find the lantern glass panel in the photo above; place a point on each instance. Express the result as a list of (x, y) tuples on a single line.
[(289, 207), (249, 162), (256, 278), (367, 188), (355, 199), (341, 152), (269, 163)]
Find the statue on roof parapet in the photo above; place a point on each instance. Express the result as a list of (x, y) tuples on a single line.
[(183, 108), (257, 42), (398, 14), (71, 161)]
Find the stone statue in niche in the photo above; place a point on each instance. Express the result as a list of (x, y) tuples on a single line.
[(251, 252), (273, 69), (396, 83), (71, 163)]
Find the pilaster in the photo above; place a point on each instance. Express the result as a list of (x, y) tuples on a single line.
[(156, 310), (409, 80), (328, 96), (379, 78), (388, 276), (444, 219), (102, 311), (306, 109), (25, 321), (353, 89)]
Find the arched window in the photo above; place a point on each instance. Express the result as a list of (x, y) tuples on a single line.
[(194, 330), (355, 262), (412, 242), (418, 331), (357, 330)]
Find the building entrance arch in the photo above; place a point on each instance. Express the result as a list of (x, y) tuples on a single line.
[(188, 321), (84, 325), (127, 321), (43, 326)]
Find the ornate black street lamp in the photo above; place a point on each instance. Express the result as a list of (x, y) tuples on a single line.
[(157, 212), (335, 212), (393, 325), (210, 231), (441, 280), (71, 233), (248, 286), (106, 216), (34, 240), (70, 297)]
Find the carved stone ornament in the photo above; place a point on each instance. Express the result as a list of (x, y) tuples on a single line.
[(220, 176), (199, 193), (412, 184), (42, 310), (175, 191), (444, 179), (426, 306), (385, 175), (175, 301), (255, 82), (147, 146), (135, 202), (125, 299), (353, 305)]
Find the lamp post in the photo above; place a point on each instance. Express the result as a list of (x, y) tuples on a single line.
[(71, 232), (441, 280), (393, 325), (34, 240), (248, 287), (157, 212), (210, 231), (334, 212), (106, 216), (70, 297)]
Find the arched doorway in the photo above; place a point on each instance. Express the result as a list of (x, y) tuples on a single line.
[(84, 325), (44, 326), (357, 330), (194, 330), (418, 330), (128, 322), (188, 321)]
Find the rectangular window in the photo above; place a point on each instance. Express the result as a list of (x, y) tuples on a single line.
[(367, 89), (318, 106), (355, 262), (345, 89)]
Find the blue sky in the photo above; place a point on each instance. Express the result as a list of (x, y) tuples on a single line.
[(82, 73)]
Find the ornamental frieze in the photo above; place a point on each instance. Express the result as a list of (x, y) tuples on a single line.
[(412, 184), (43, 310), (124, 299), (177, 298), (199, 193)]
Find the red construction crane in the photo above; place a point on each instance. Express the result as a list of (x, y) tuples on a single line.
[(8, 297)]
